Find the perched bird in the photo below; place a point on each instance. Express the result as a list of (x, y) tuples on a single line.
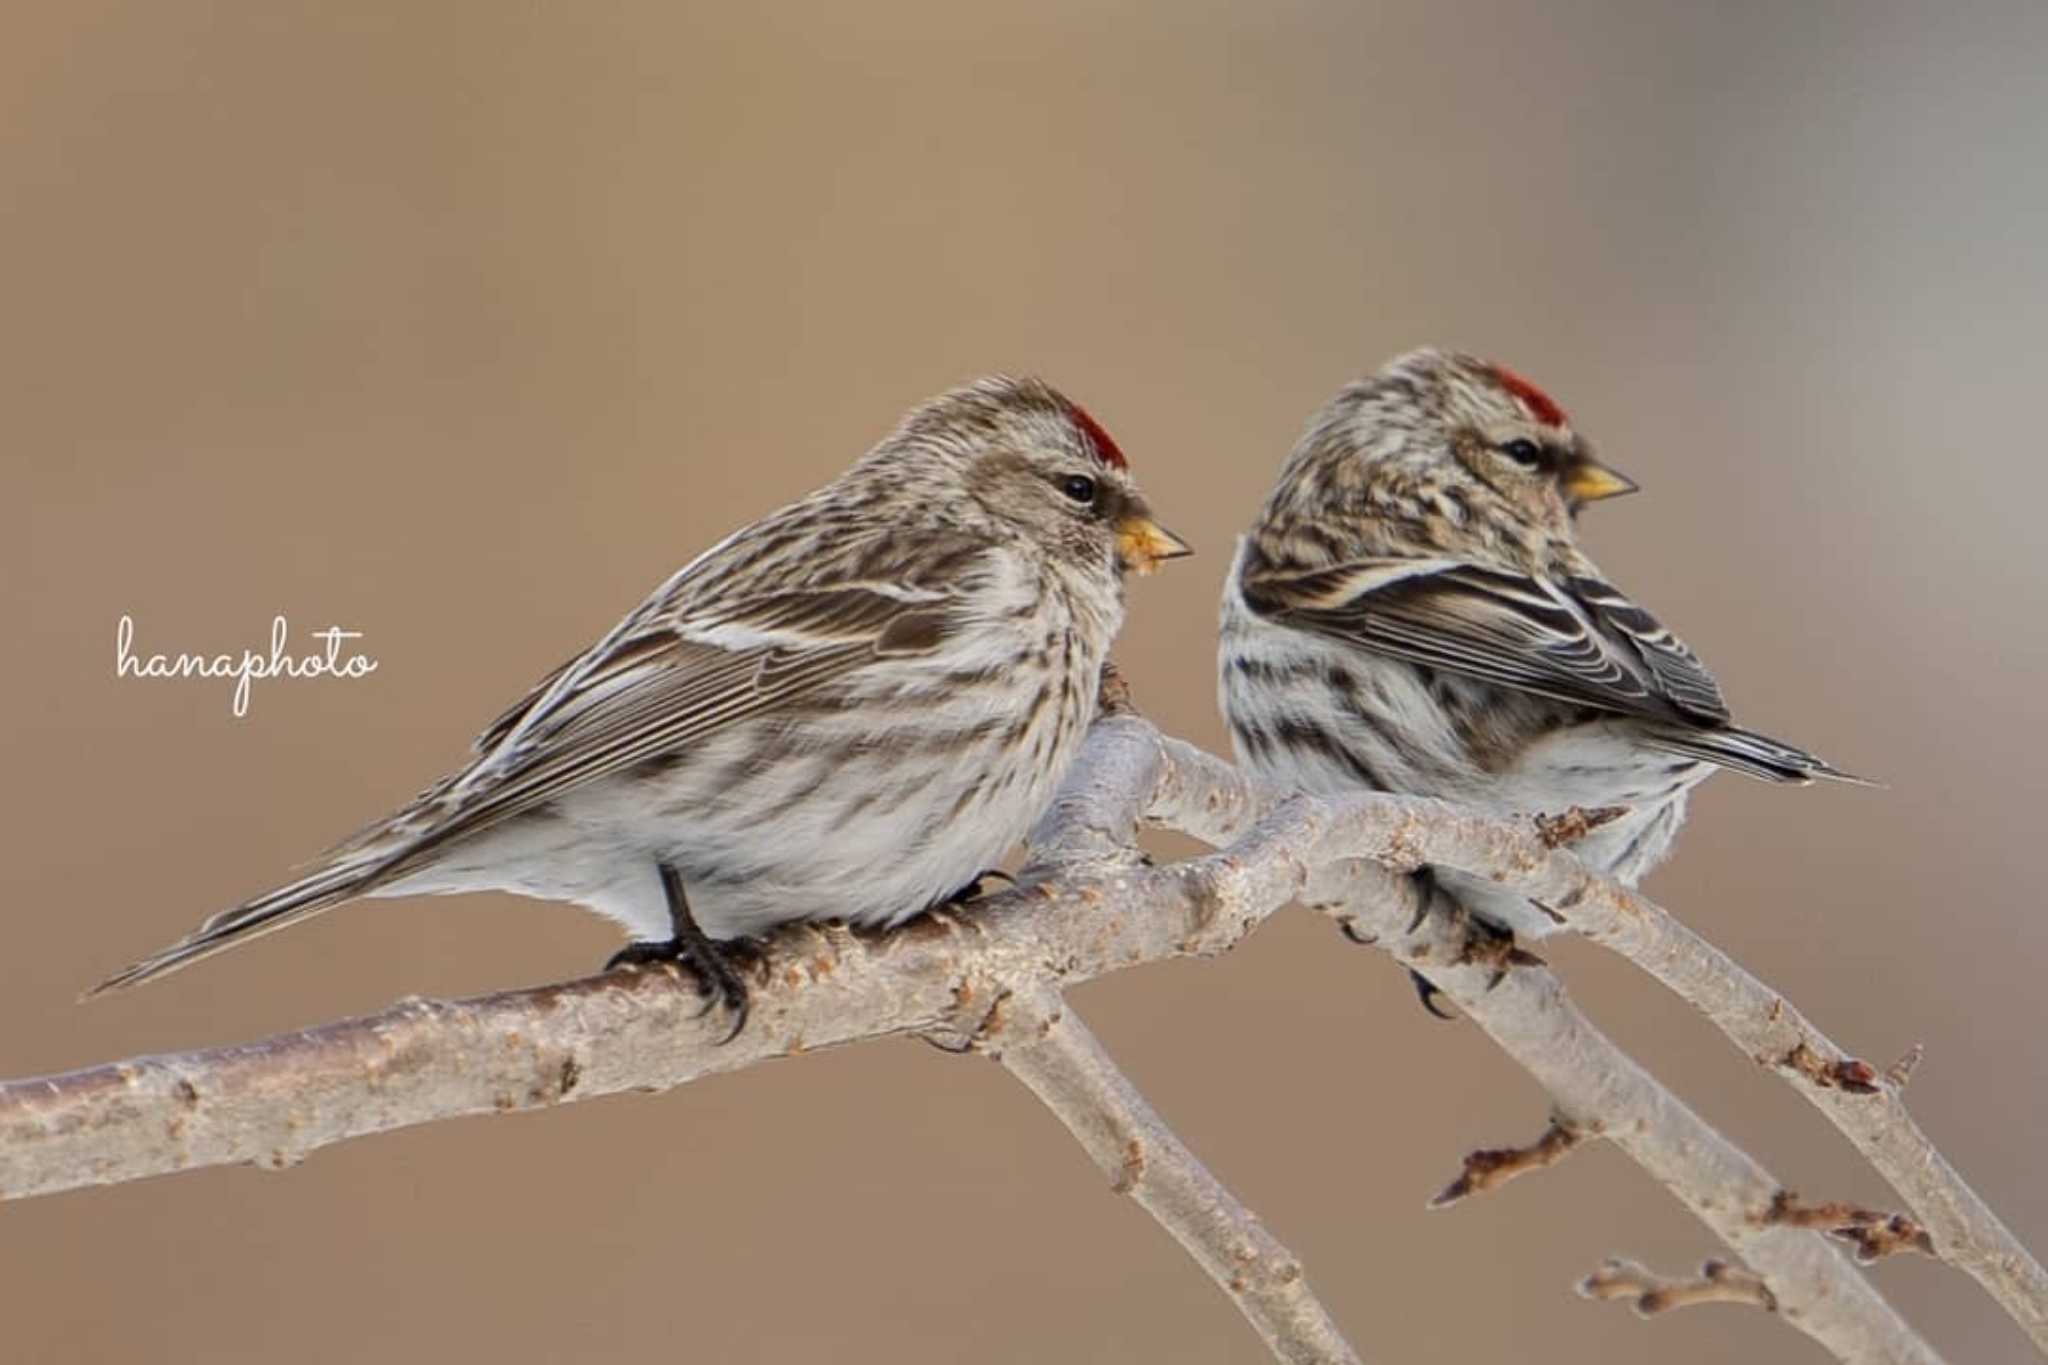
[(846, 710), (1411, 612)]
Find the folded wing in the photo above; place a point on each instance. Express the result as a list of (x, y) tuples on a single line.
[(673, 674), (1575, 640)]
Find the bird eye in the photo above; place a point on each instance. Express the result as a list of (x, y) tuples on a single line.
[(1523, 452), (1080, 488)]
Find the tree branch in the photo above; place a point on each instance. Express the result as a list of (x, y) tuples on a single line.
[(1867, 1107), (274, 1102), (1046, 1046), (1598, 1090), (1088, 906)]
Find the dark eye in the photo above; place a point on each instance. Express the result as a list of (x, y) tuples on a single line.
[(1523, 452), (1080, 488)]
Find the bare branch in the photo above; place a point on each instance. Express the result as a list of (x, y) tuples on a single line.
[(1214, 803), (272, 1103), (1089, 905), (1867, 1107), (1047, 1047), (1491, 1167), (1651, 1293), (1597, 1088)]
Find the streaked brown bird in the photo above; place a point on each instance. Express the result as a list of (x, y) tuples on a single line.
[(846, 710), (1411, 612)]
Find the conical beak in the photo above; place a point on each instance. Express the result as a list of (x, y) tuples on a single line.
[(1590, 481), (1143, 543)]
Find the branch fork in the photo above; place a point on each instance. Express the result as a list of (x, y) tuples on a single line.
[(991, 980)]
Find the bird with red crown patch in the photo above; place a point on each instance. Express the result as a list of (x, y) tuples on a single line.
[(847, 710), (1411, 612)]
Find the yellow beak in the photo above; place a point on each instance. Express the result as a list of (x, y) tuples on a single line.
[(1591, 481), (1143, 542)]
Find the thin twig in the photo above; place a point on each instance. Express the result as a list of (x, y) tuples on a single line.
[(1650, 1293), (1046, 1046), (1491, 1167)]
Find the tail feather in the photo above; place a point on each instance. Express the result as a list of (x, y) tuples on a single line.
[(287, 905), (1746, 751)]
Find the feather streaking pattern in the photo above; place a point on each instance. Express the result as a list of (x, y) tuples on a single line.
[(848, 709), (1411, 612)]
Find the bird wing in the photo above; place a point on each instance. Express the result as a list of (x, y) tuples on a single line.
[(681, 679), (690, 661), (1576, 640)]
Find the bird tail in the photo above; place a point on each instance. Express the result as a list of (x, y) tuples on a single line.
[(1746, 751), (302, 899)]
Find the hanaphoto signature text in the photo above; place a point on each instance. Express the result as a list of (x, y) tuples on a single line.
[(338, 659)]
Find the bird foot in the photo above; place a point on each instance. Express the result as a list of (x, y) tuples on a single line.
[(716, 965), (974, 890)]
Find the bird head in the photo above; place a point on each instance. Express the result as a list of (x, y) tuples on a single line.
[(1442, 452), (1040, 467)]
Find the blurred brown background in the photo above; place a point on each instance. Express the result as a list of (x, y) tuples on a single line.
[(460, 325)]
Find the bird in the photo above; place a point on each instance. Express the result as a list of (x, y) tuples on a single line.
[(1412, 612), (846, 710)]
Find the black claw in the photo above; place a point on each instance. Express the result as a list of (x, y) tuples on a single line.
[(974, 890), (714, 964), (644, 953), (732, 993), (1350, 931), (1425, 901), (1428, 994)]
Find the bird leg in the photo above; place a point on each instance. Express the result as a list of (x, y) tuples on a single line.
[(711, 962)]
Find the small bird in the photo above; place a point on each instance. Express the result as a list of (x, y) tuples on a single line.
[(1411, 612), (847, 710)]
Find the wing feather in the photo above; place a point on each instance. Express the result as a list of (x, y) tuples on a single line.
[(664, 690), (1576, 640), (1518, 631)]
